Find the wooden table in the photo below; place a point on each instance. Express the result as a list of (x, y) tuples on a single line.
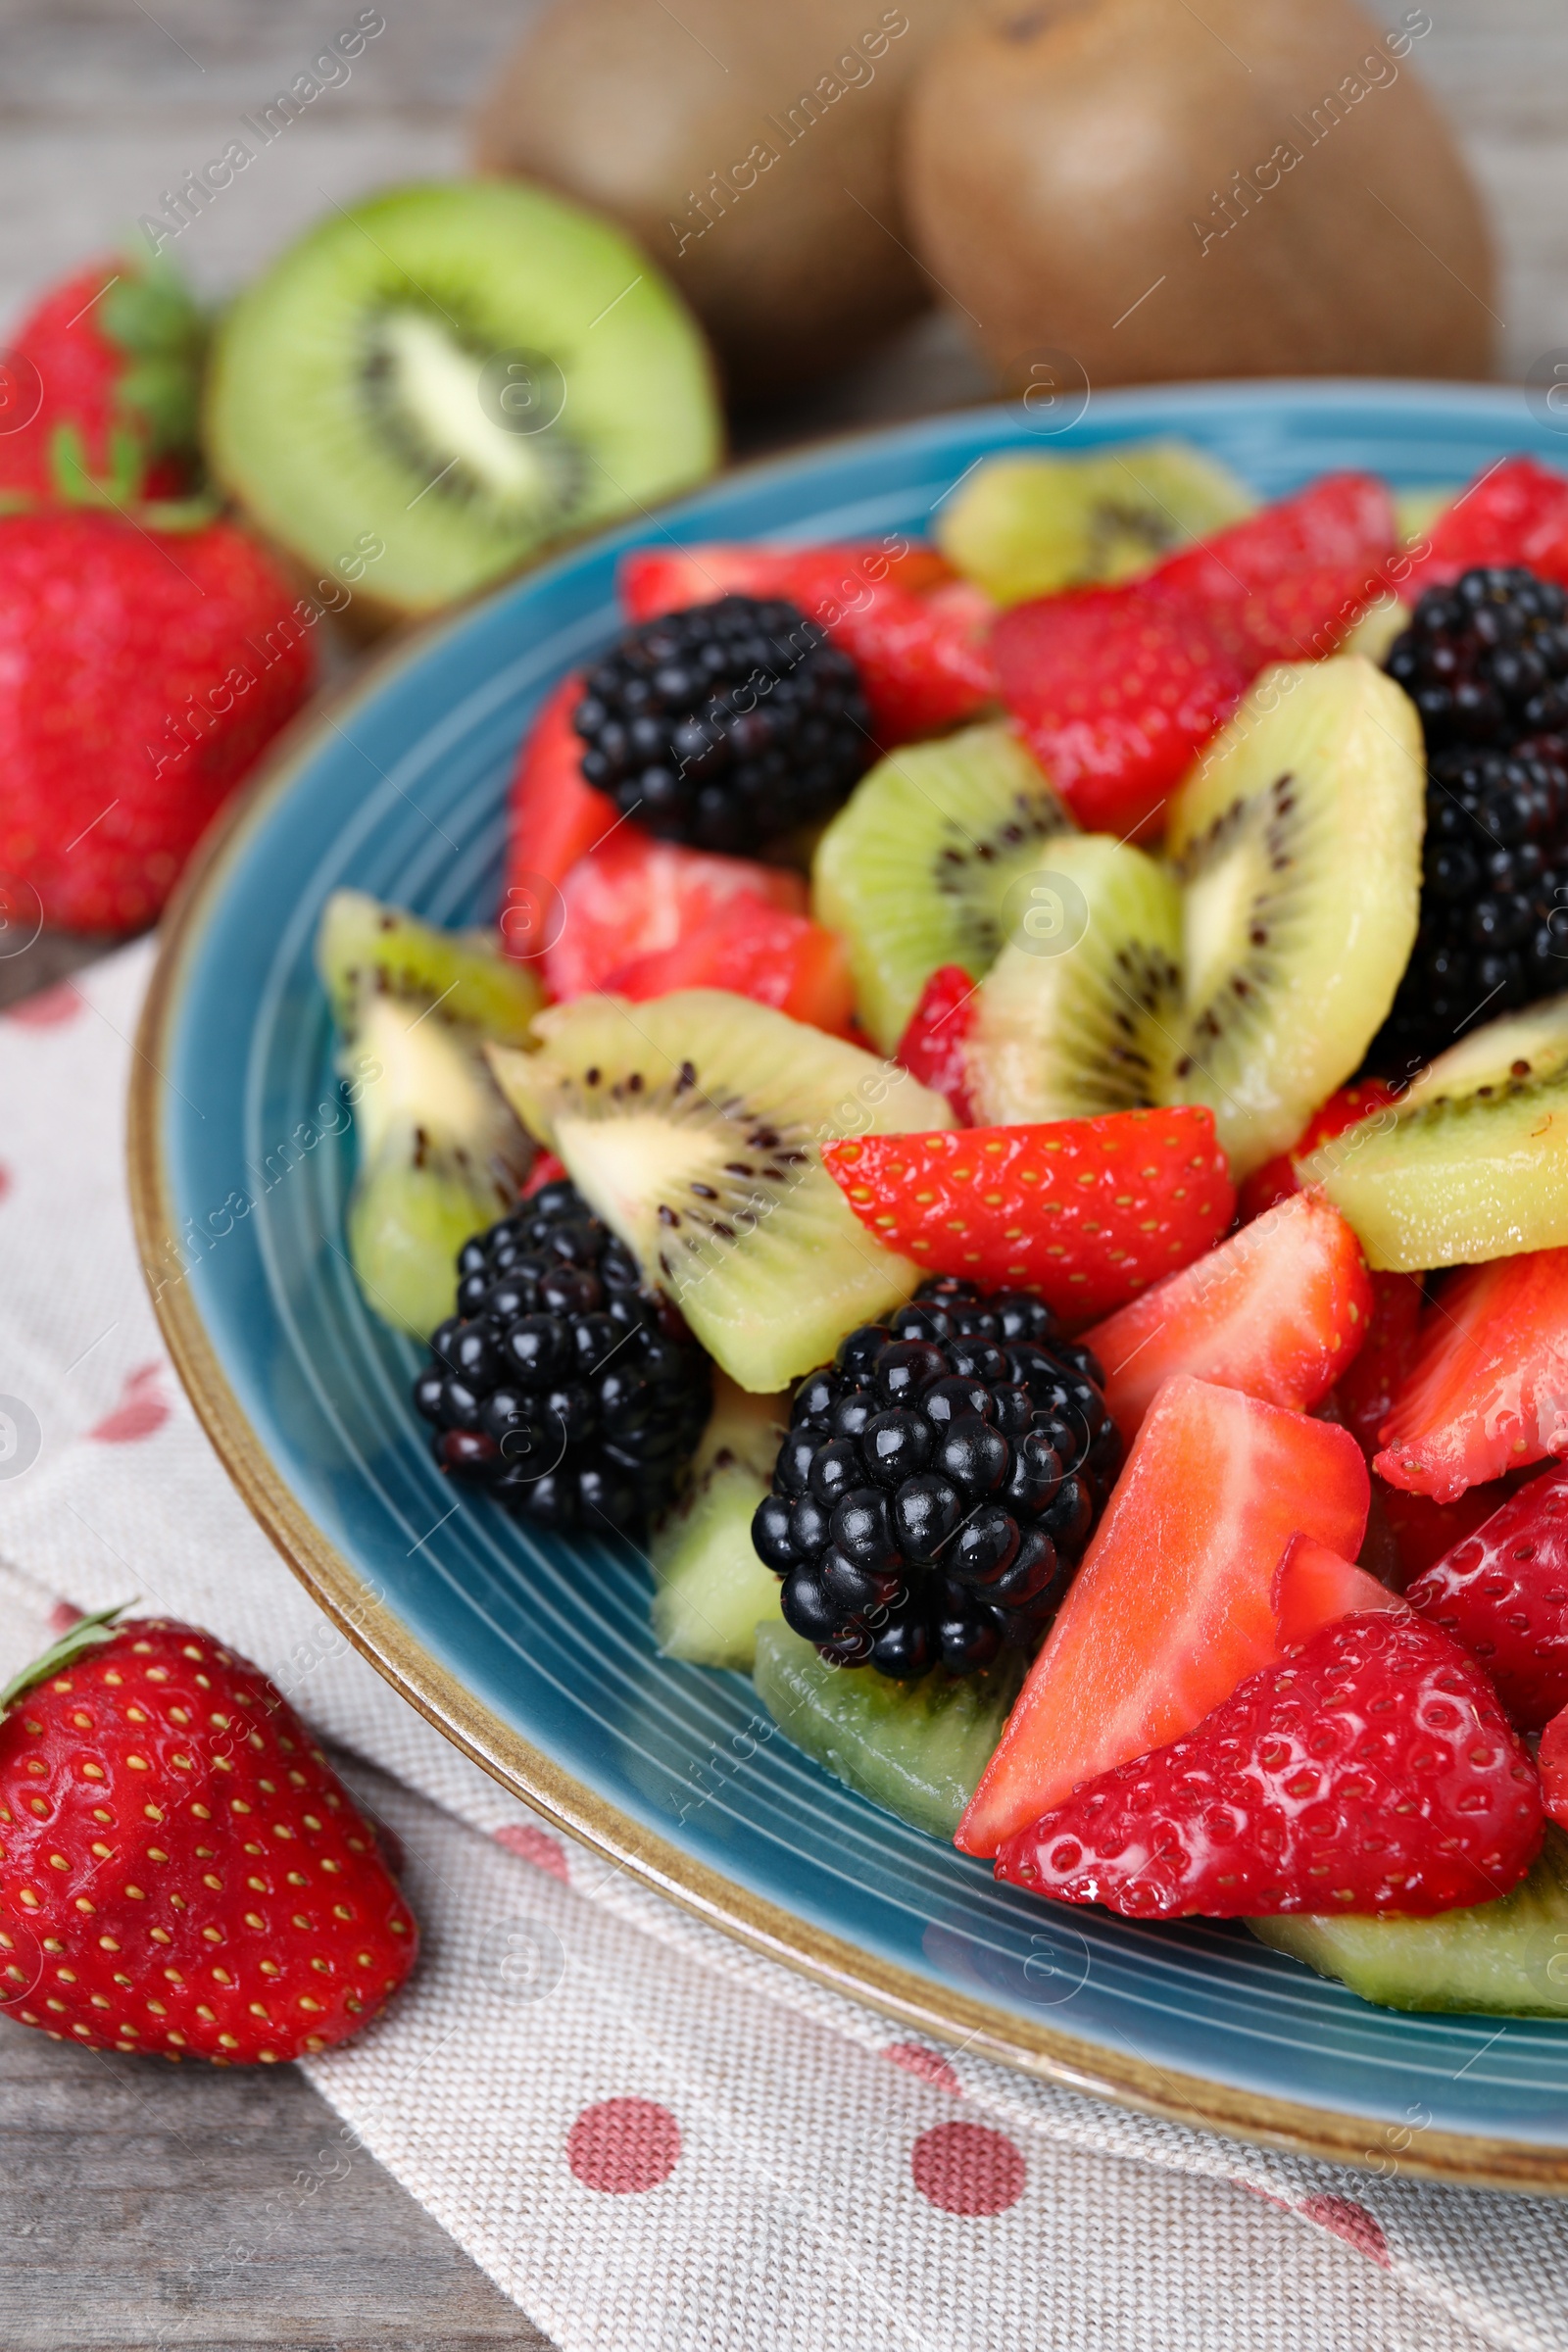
[(126, 2183)]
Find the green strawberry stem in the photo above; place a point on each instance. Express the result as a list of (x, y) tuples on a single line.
[(86, 1634)]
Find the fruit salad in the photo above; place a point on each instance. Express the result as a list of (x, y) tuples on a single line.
[(1014, 1135)]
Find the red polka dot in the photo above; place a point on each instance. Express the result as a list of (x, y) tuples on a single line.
[(140, 1410), (537, 1846), (965, 2167), (929, 2064), (63, 1616), (5, 1180), (624, 2146), (49, 1008), (1352, 2222)]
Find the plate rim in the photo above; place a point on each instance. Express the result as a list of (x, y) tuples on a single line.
[(391, 1646)]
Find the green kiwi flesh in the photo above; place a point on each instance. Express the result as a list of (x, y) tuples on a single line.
[(918, 1748), (457, 375), (1517, 1046), (1297, 839), (1078, 1016), (1508, 1958), (1024, 526), (692, 1124), (1455, 1179), (440, 1155), (712, 1591), (914, 869)]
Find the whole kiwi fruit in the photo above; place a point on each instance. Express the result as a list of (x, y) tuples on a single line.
[(1255, 187), (750, 146)]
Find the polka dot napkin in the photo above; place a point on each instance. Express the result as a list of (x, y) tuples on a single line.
[(653, 2139)]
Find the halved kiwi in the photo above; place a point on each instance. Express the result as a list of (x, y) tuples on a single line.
[(432, 386), (1025, 526), (915, 867), (1508, 1958), (441, 1155), (1473, 1163), (1298, 841), (1080, 1015), (692, 1124)]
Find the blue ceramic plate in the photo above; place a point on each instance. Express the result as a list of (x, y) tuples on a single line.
[(535, 1654)]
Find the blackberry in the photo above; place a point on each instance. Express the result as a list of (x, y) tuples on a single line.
[(1486, 663), (561, 1384), (937, 1483), (727, 725)]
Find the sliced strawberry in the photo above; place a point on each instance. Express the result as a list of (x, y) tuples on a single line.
[(1083, 1212), (1382, 1363), (932, 1046), (1551, 1762), (765, 952), (1315, 1585), (1277, 1179), (634, 895), (553, 817), (1116, 689), (923, 660), (1279, 1310), (1422, 1530), (1502, 1594), (1373, 1770), (1174, 1602), (1515, 512), (1488, 1392), (545, 1169), (665, 579), (1298, 576)]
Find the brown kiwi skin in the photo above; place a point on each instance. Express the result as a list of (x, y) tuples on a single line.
[(1056, 157), (633, 107)]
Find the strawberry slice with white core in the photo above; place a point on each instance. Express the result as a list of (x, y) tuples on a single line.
[(1489, 1388), (1280, 1311), (1174, 1602)]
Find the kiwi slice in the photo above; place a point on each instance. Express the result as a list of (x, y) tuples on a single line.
[(430, 387), (914, 869), (1417, 509), (1031, 526), (692, 1125), (1298, 841), (743, 1430), (918, 1748), (1507, 1957), (714, 1591), (1374, 633), (1079, 1015), (1476, 1171), (441, 1155), (1517, 1046)]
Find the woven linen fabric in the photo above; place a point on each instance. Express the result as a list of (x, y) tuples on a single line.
[(652, 2138)]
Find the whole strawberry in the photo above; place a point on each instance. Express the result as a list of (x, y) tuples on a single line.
[(101, 385), (141, 672), (1374, 1771), (1502, 1594), (180, 1870)]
